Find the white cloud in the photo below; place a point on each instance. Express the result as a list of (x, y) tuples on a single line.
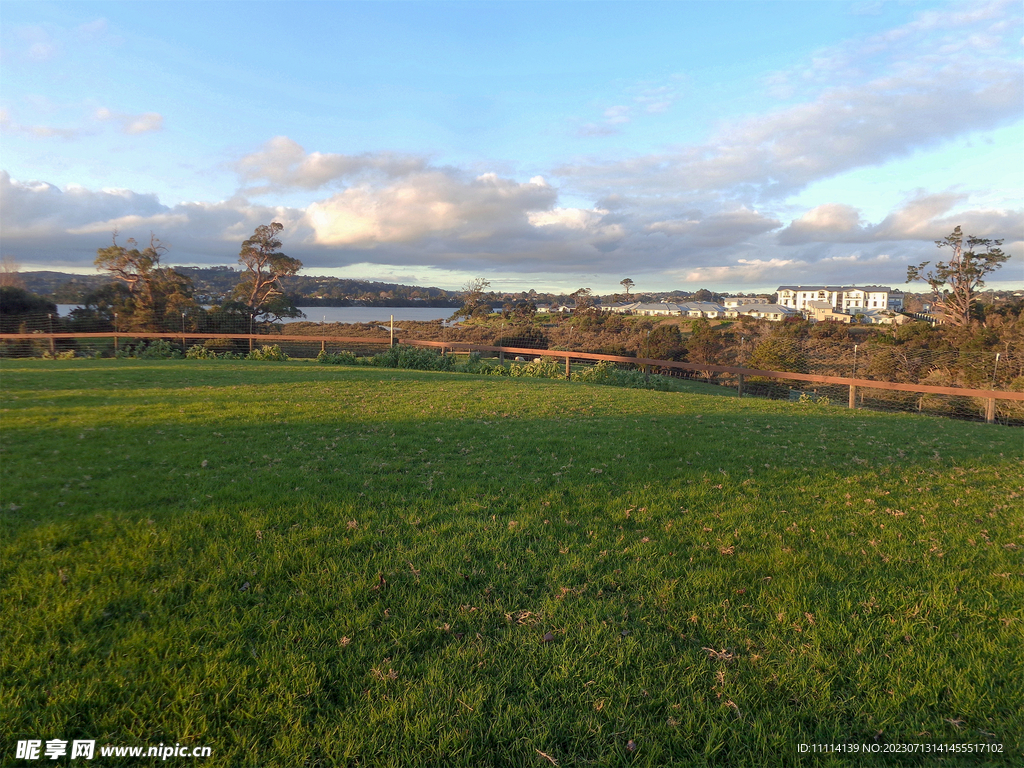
[(860, 104), (924, 217), (132, 124), (616, 115), (8, 125), (719, 229), (426, 204), (282, 162)]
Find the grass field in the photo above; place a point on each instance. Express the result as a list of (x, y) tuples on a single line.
[(301, 565)]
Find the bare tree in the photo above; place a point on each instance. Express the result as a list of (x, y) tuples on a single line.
[(473, 299), (972, 258), (9, 277)]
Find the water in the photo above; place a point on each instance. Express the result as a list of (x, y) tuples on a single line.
[(345, 314), (371, 314)]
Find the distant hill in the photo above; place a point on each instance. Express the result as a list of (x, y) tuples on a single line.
[(214, 284)]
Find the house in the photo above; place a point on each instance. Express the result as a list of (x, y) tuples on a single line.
[(842, 298), (662, 308), (818, 311), (621, 307), (883, 317), (763, 311), (706, 309)]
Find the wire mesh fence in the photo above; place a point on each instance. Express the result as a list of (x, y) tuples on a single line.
[(886, 359)]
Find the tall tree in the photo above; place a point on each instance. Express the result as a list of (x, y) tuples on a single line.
[(157, 295), (955, 283), (260, 288), (627, 286)]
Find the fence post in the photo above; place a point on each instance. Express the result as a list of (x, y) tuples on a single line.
[(567, 366), (853, 395), (990, 411), (739, 387)]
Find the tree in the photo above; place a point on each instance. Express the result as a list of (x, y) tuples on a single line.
[(9, 277), (704, 345), (970, 261), (664, 342), (18, 305), (473, 299), (584, 301), (627, 286), (99, 308), (260, 288), (156, 295)]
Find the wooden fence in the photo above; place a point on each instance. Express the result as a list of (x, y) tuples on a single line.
[(989, 395)]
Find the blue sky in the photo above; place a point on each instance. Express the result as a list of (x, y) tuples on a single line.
[(729, 145)]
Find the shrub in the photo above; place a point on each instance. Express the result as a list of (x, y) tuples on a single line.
[(413, 358), (337, 358), (541, 370), (157, 349), (602, 373), (199, 352), (813, 398), (68, 354), (268, 353)]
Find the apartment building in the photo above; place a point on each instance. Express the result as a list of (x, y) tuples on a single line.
[(843, 298)]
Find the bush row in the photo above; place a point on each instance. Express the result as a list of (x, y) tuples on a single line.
[(419, 359)]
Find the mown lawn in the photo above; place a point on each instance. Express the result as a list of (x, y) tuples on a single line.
[(335, 566)]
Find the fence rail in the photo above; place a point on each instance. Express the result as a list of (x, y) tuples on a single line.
[(854, 385)]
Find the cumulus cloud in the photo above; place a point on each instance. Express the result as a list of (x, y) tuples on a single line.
[(427, 203), (719, 229), (67, 226), (924, 217), (37, 206), (282, 162)]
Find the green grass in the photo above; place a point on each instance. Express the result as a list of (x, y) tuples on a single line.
[(336, 566)]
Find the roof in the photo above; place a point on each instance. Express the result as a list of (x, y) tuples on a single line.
[(769, 308)]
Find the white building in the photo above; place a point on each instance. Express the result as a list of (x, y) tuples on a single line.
[(774, 312), (706, 309), (661, 308), (731, 302), (843, 298)]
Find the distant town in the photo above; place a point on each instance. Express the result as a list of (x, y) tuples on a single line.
[(866, 304)]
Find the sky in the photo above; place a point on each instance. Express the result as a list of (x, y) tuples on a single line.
[(735, 146)]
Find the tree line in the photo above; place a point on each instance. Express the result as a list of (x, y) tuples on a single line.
[(146, 295)]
